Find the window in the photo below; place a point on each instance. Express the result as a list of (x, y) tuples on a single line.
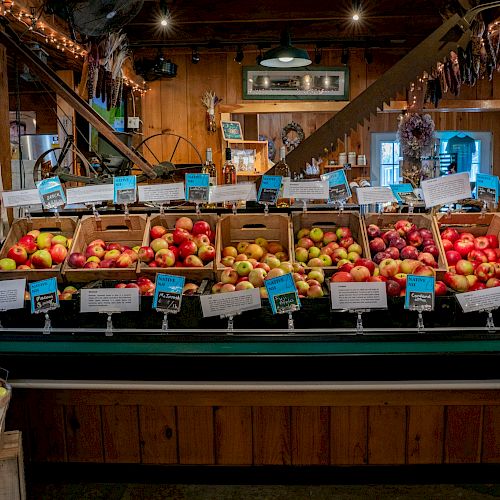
[(389, 155)]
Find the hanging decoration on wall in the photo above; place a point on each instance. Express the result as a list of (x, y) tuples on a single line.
[(416, 139), (210, 100), (271, 147), (292, 135)]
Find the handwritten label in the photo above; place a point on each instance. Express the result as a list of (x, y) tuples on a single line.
[(487, 188), (371, 195), (162, 192), (51, 192), (404, 193), (124, 189), (282, 293), (419, 293), (227, 304), (480, 300), (23, 198), (168, 293), (12, 294), (358, 296), (90, 194), (43, 295), (269, 189), (243, 191), (109, 300), (446, 189), (314, 190), (338, 188), (197, 187)]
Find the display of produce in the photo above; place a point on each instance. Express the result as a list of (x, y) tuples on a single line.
[(147, 287), (100, 254)]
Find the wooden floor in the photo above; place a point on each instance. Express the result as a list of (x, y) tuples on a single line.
[(259, 428)]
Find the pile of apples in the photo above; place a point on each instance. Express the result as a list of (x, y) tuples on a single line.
[(405, 241), (147, 287), (36, 250), (474, 262), (260, 253), (187, 245), (242, 276), (393, 272), (101, 255), (317, 248)]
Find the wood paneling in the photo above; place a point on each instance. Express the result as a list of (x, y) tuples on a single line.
[(425, 434), (491, 435), (271, 435), (5, 152), (120, 432), (310, 435), (83, 433), (233, 435), (386, 435), (195, 425), (463, 434), (348, 435), (158, 434)]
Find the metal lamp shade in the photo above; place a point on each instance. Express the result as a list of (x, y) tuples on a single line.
[(286, 55)]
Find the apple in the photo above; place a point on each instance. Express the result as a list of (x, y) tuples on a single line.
[(114, 246), (305, 242), (390, 235), (346, 267), (28, 243), (180, 235), (427, 259), (373, 231), (112, 254), (201, 239), (94, 250), (339, 254), (400, 278), (274, 273), (302, 287), (393, 252), (146, 254), (425, 271), (169, 238), (41, 259), (393, 288), (328, 249), (263, 265), (315, 292), (360, 273), (329, 237), (159, 244), (157, 232), (464, 267), (256, 277), (201, 227), (341, 277), (229, 251), (317, 275), (272, 261), (124, 260), (302, 233), (18, 254), (472, 279), (467, 236), (492, 282), (44, 240), (164, 257), (243, 267), (274, 247), (287, 267), (458, 282), (206, 253), (432, 249), (426, 233), (477, 256), (493, 239), (58, 252), (254, 251), (404, 227), (452, 256), (301, 254), (377, 279), (314, 252), (450, 234), (380, 256), (184, 223), (366, 263), (409, 252), (216, 288), (240, 257), (439, 289), (282, 256), (34, 233), (497, 269), (316, 234), (397, 242), (316, 262), (477, 286), (388, 268), (187, 248), (352, 256), (229, 276), (447, 245), (346, 242), (491, 255), (343, 232), (70, 289), (244, 285), (241, 246), (485, 271), (481, 243), (262, 242), (414, 238), (92, 265), (76, 260), (8, 264)]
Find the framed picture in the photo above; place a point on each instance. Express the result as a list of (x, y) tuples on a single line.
[(313, 84), (231, 131)]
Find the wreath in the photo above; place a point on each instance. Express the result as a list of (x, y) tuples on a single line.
[(288, 141), (415, 134)]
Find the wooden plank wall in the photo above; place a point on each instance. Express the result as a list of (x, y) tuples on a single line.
[(233, 428)]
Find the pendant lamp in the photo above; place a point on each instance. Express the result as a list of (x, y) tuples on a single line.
[(286, 55)]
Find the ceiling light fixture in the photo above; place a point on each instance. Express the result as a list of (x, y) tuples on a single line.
[(239, 55), (285, 55), (164, 14), (355, 17), (195, 56)]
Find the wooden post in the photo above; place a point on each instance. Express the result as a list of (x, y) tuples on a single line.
[(66, 124), (5, 157)]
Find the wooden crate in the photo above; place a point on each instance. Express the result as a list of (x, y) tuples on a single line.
[(476, 223), (387, 221), (4, 404), (246, 227), (111, 228), (12, 484), (330, 221), (168, 221), (62, 225)]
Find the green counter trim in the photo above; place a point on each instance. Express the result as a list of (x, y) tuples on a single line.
[(255, 348)]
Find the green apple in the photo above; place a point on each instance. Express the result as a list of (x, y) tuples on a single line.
[(3, 392), (316, 234)]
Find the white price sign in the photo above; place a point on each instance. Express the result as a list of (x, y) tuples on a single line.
[(22, 198), (109, 300), (12, 294), (226, 304), (314, 190), (480, 300), (89, 194), (358, 295), (233, 192), (371, 195), (162, 192), (446, 189)]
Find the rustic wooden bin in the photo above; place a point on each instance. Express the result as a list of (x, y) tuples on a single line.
[(111, 228), (387, 221), (246, 227), (61, 225), (476, 223), (330, 221), (12, 484), (168, 221)]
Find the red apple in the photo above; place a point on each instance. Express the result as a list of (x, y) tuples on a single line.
[(380, 256), (343, 232), (414, 238), (477, 286), (464, 267), (91, 265), (373, 231), (28, 243), (175, 251), (206, 253), (426, 234), (360, 273), (367, 263), (409, 252), (450, 234), (184, 223), (187, 248), (329, 237), (400, 278), (492, 282), (393, 288), (346, 242), (447, 245), (58, 253), (404, 227), (493, 239), (347, 267), (18, 254), (393, 252), (124, 260), (477, 257), (146, 254), (427, 259), (439, 289), (377, 279), (157, 232), (452, 256), (397, 242), (201, 239), (132, 285), (463, 247), (339, 254), (76, 260), (472, 279), (485, 271), (491, 255), (377, 245), (388, 268), (41, 259), (481, 243), (180, 235), (467, 236), (94, 251), (169, 238), (165, 258), (341, 277), (390, 235), (114, 246), (425, 271), (201, 227), (432, 249)]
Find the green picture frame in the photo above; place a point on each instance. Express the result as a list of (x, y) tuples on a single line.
[(318, 83)]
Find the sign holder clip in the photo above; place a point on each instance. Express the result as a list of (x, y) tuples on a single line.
[(490, 324), (164, 323), (266, 209), (27, 214), (230, 322), (48, 325), (304, 206), (109, 324), (126, 211), (198, 211), (411, 208), (359, 320), (484, 209), (420, 319)]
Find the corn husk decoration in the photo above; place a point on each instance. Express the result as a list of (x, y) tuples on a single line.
[(210, 100)]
